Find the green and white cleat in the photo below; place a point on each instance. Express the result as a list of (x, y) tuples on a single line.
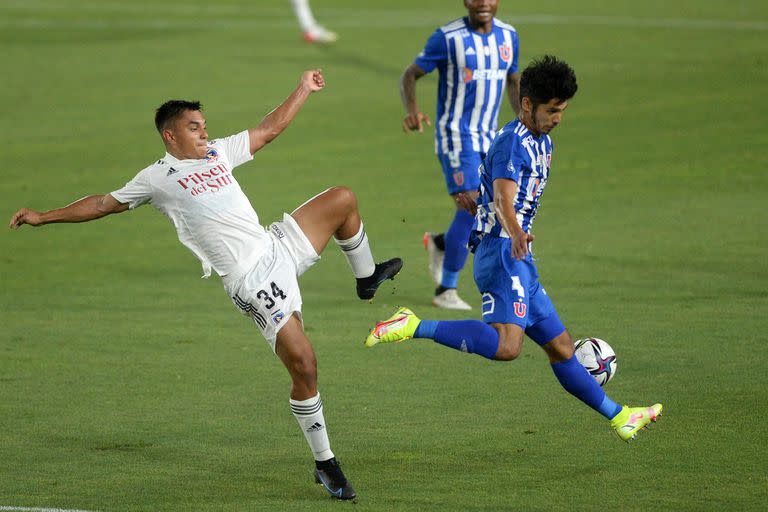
[(399, 327), (631, 419)]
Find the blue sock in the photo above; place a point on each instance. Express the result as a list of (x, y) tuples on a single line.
[(450, 279), (456, 251), (576, 380), (472, 336)]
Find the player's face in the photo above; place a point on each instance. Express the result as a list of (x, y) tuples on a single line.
[(187, 136), (481, 12), (548, 115)]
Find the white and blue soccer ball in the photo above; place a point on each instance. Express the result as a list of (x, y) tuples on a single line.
[(598, 358)]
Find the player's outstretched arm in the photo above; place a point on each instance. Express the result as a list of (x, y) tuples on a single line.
[(413, 117), (278, 120), (82, 210), (504, 192)]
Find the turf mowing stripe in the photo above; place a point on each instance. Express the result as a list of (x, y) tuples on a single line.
[(629, 21), (33, 509), (383, 21)]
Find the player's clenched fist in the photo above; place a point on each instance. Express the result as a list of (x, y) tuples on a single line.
[(313, 80), (412, 122), (25, 216)]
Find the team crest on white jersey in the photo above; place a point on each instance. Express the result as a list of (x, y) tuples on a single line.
[(211, 155)]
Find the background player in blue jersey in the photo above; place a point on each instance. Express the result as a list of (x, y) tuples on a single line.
[(313, 32), (512, 180), (476, 57)]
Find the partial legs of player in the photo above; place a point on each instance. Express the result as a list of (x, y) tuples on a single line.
[(334, 214), (295, 351), (331, 214), (503, 342), (434, 244), (448, 254), (313, 31)]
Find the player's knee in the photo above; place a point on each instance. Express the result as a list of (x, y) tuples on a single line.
[(560, 348), (510, 342), (344, 197), (303, 368), (509, 349)]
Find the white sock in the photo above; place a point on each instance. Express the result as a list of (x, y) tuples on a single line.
[(309, 414), (304, 14), (358, 253)]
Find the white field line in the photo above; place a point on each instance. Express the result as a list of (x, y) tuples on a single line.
[(33, 509), (205, 17)]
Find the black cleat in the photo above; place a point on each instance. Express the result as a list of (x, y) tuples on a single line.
[(329, 474), (367, 286)]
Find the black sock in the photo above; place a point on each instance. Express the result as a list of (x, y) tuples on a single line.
[(325, 464), (440, 241)]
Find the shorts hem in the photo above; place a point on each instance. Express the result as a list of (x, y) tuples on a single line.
[(272, 339)]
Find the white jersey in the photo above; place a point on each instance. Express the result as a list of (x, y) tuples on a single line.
[(212, 216)]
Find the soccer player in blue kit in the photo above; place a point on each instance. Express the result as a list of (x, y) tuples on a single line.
[(512, 180), (476, 57)]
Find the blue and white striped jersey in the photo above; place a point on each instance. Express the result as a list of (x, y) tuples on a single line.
[(472, 68), (519, 156)]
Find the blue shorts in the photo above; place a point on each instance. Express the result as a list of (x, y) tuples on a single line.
[(461, 170), (512, 293)]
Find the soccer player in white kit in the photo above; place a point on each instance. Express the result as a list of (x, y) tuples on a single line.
[(194, 187)]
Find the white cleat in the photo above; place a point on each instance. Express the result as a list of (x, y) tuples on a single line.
[(436, 257), (449, 299), (320, 35)]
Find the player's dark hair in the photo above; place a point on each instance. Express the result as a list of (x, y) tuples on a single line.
[(172, 110), (548, 78)]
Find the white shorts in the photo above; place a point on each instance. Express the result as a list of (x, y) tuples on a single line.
[(269, 292)]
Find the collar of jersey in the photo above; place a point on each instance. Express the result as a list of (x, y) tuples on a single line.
[(466, 25), (169, 158)]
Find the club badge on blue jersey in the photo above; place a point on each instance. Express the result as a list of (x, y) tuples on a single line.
[(505, 52)]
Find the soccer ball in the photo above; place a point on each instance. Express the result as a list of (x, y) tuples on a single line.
[(598, 358)]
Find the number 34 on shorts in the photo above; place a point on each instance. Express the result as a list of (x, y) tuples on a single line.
[(268, 306)]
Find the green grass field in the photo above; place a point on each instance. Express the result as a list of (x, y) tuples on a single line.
[(127, 383)]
